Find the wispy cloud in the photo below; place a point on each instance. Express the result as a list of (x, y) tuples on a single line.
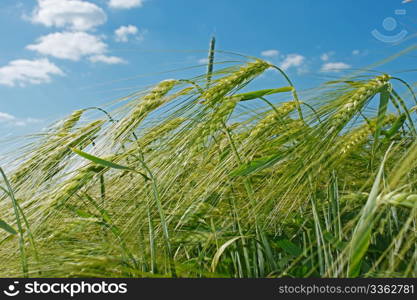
[(111, 60), (334, 67), (125, 4), (72, 14), (270, 53), (22, 72)]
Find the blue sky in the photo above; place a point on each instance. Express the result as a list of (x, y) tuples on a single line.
[(60, 55)]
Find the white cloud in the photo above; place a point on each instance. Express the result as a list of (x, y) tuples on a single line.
[(203, 61), (125, 4), (69, 45), (270, 53), (74, 46), (303, 69), (5, 117), (9, 119), (292, 60), (334, 67), (358, 52), (25, 121), (107, 59), (327, 55), (21, 72), (123, 32), (73, 14)]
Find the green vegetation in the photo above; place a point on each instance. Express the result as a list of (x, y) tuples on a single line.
[(189, 179)]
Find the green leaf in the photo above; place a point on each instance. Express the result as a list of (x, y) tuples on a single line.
[(268, 251), (384, 96), (7, 227), (219, 252), (105, 163), (289, 247), (395, 127), (401, 102), (100, 161), (261, 93), (361, 237), (5, 190), (255, 165), (84, 214)]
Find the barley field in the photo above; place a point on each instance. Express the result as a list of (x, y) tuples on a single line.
[(190, 179)]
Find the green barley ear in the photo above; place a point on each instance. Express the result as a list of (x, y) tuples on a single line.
[(221, 114), (273, 118), (70, 122), (157, 132), (53, 152), (408, 200), (80, 138), (357, 99), (226, 84), (82, 177), (360, 135), (151, 101), (216, 119), (210, 60)]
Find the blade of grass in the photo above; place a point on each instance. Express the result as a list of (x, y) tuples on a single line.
[(361, 237), (106, 163), (22, 251), (257, 94), (7, 227), (219, 252), (382, 111)]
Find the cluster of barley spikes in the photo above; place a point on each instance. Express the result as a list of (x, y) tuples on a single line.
[(207, 177)]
